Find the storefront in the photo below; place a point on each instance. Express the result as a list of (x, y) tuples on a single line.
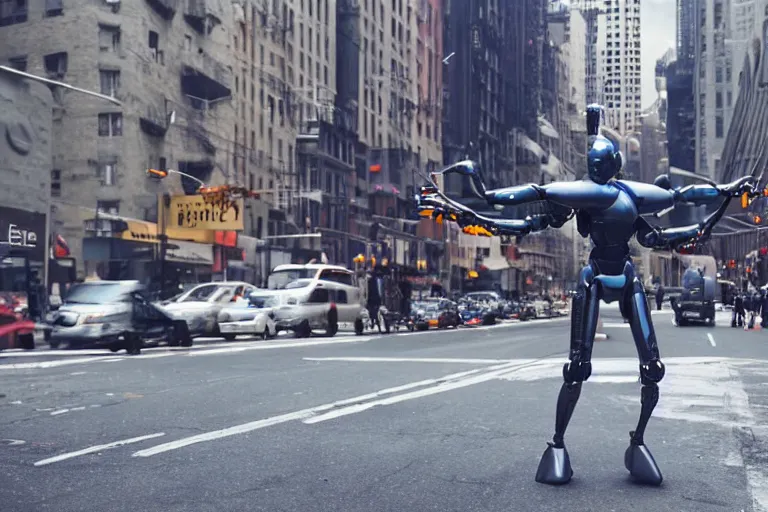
[(22, 253)]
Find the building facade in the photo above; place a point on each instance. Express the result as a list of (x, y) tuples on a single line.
[(619, 64), (168, 64)]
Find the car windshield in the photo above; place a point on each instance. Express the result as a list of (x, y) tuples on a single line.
[(281, 279), (204, 293), (264, 301), (92, 293), (299, 283)]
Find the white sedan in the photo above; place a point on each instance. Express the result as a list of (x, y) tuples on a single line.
[(252, 316)]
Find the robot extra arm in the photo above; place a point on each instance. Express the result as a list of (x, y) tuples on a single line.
[(432, 203), (705, 194)]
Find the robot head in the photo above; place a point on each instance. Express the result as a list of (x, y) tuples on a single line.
[(603, 160)]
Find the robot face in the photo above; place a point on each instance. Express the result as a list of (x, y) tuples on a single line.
[(603, 161)]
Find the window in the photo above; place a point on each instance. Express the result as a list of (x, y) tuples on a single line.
[(19, 63), (109, 38), (111, 124), (154, 47), (718, 99), (53, 8), (319, 296), (55, 183), (107, 174), (187, 42), (56, 65), (12, 12), (341, 296), (719, 128), (108, 207), (110, 82)]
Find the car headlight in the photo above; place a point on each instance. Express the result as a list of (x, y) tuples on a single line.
[(102, 318)]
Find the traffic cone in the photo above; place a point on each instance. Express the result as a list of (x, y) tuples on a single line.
[(599, 335)]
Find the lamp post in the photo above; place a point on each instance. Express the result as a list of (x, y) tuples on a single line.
[(163, 218)]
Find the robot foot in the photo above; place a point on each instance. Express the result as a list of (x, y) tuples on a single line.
[(641, 465), (554, 467)]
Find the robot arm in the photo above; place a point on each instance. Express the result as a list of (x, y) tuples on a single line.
[(705, 194), (563, 196), (430, 202), (677, 239)]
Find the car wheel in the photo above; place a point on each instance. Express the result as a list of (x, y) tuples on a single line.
[(54, 345), (265, 334), (27, 341), (359, 327), (303, 330), (133, 343), (229, 336)]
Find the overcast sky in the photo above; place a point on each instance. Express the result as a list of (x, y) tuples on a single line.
[(657, 32)]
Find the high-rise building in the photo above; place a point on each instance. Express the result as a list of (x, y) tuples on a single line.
[(169, 65), (723, 32), (592, 11), (619, 64)]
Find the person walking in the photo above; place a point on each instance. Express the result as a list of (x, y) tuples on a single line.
[(737, 320), (659, 296)]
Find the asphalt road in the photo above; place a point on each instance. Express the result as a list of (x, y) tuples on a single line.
[(443, 421)]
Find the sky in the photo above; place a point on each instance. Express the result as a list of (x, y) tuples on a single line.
[(657, 35)]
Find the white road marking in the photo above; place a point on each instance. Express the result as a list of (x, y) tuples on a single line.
[(269, 346), (609, 325), (55, 364), (407, 360), (60, 411), (95, 449), (447, 384), (306, 413), (711, 339), (12, 442)]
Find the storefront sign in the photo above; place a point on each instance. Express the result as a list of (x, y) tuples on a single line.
[(192, 212), (23, 231)]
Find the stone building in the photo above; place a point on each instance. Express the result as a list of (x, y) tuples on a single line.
[(170, 65), (25, 143)]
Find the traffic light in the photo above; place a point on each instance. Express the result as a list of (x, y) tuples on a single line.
[(731, 263), (157, 173)]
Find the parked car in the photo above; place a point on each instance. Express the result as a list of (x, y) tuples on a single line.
[(317, 296), (200, 306), (114, 315), (254, 315)]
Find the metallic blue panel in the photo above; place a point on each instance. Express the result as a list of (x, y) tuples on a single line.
[(648, 198), (581, 194)]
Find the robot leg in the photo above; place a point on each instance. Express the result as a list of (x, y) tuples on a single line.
[(555, 465), (638, 459)]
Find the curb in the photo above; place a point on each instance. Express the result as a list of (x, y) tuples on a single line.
[(601, 336)]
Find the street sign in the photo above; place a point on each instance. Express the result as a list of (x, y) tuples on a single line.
[(192, 212)]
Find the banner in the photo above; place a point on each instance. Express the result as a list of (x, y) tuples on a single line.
[(192, 212)]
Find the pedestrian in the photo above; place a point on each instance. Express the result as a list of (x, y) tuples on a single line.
[(763, 309), (737, 320), (659, 296)]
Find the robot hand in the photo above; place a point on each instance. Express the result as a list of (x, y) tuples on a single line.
[(746, 185), (430, 203), (466, 168)]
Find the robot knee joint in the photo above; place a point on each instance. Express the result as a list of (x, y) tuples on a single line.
[(576, 371), (652, 372)]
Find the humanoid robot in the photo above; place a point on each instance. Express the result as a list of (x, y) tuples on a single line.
[(608, 211)]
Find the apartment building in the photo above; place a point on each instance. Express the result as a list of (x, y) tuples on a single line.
[(167, 62), (619, 64)]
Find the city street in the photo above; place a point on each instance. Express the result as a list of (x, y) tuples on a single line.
[(447, 421)]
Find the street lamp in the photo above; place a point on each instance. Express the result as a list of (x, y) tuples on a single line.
[(163, 173)]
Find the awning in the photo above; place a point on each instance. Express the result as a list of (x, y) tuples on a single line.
[(189, 252), (552, 167), (546, 129), (524, 142), (496, 263)]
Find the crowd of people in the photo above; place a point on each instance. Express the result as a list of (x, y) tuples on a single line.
[(747, 307)]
